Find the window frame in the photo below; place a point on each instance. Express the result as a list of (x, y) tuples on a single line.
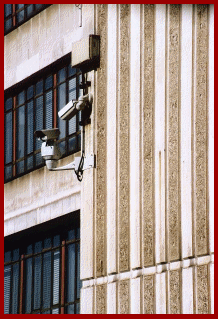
[(15, 12), (18, 88), (60, 225)]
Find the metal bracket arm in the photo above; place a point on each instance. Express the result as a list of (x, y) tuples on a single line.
[(89, 162)]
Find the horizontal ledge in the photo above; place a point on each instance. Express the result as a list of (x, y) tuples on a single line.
[(157, 269)]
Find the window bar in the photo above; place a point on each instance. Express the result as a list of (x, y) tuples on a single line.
[(63, 250), (14, 136), (21, 284)]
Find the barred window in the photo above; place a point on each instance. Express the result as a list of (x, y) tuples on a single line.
[(17, 14), (34, 106), (42, 275)]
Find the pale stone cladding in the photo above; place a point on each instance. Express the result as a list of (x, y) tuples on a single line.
[(147, 209)]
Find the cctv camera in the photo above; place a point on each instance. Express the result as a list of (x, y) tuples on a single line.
[(50, 150), (73, 107), (46, 135), (51, 153)]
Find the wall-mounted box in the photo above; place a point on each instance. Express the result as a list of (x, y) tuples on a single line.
[(86, 51)]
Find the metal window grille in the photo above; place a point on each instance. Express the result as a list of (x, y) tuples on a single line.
[(34, 106), (43, 277), (17, 14)]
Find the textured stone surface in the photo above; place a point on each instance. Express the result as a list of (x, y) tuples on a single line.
[(101, 299), (173, 112), (149, 302), (101, 135), (123, 297), (123, 137), (147, 131), (175, 295), (202, 289), (200, 128)]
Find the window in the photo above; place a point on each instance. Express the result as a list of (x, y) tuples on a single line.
[(34, 106), (42, 269), (17, 14)]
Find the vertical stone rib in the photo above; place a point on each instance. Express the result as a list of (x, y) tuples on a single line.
[(147, 131), (149, 302), (101, 139), (202, 290), (173, 112), (123, 136), (101, 299), (123, 297), (175, 289), (200, 130)]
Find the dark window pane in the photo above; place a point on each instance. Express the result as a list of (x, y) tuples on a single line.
[(61, 104), (47, 243), (8, 24), (39, 159), (72, 89), (73, 144), (39, 87), (38, 6), (71, 234), (49, 82), (8, 172), (30, 162), (47, 280), (21, 98), (37, 282), (8, 104), (62, 146), (7, 9), (39, 119), (19, 6), (29, 275), (30, 127), (20, 167), (7, 256), (71, 71), (71, 271), (72, 96), (20, 131), (77, 308), (15, 289), (38, 247), (56, 241), (62, 75), (30, 92), (7, 285), (29, 249), (16, 254), (49, 109), (79, 283), (70, 309), (56, 277), (30, 9), (20, 16), (8, 138)]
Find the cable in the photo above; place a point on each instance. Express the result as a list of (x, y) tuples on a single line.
[(79, 172)]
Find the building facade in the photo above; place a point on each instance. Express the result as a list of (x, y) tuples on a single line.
[(137, 234)]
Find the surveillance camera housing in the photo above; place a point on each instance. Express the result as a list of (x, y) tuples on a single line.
[(46, 135), (68, 111), (51, 153), (49, 150), (73, 107)]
